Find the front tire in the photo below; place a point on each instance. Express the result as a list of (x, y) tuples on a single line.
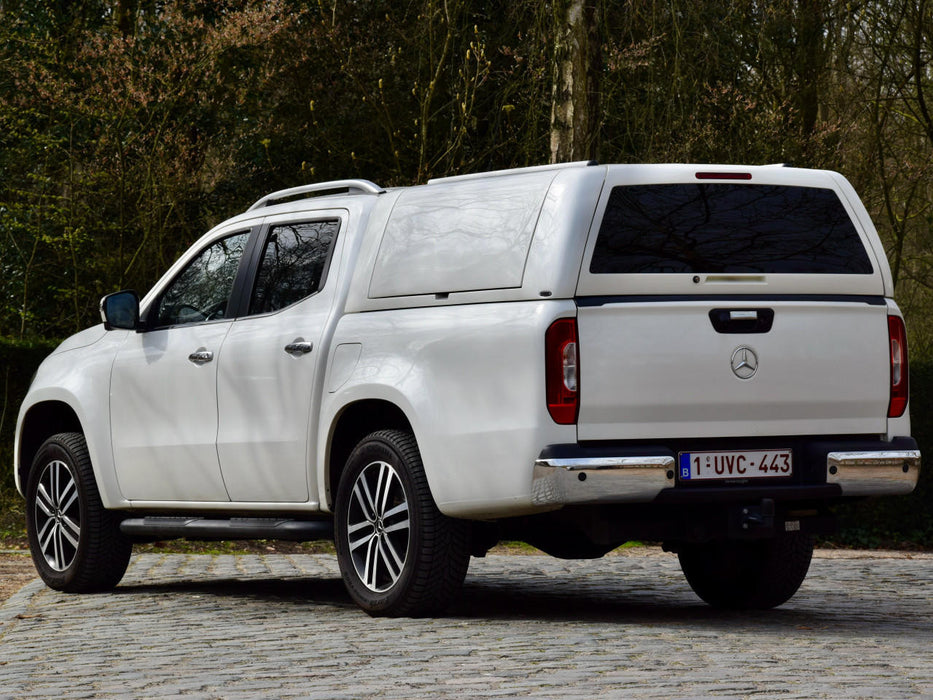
[(76, 544), (398, 554), (749, 575)]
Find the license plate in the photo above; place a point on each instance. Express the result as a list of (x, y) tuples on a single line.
[(754, 464)]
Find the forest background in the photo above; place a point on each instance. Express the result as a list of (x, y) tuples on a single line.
[(129, 127)]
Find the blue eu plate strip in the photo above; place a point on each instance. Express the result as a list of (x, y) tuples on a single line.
[(685, 466)]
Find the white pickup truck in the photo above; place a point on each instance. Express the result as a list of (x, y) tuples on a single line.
[(574, 356)]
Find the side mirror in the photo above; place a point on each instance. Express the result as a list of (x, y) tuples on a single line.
[(120, 310)]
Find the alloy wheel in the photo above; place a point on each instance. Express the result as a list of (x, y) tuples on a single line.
[(58, 515), (378, 526)]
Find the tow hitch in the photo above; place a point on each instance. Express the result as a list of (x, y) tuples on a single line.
[(754, 521)]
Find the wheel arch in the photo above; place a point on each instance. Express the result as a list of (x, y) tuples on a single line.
[(354, 422), (40, 422)]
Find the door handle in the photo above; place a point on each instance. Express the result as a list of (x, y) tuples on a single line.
[(201, 357), (299, 347)]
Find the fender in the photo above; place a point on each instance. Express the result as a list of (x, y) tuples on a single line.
[(74, 377)]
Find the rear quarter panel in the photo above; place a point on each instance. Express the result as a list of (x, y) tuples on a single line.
[(471, 381)]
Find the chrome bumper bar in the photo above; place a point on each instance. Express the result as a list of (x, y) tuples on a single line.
[(600, 480), (567, 481), (892, 473)]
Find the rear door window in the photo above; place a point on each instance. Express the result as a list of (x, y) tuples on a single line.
[(293, 264), (727, 228)]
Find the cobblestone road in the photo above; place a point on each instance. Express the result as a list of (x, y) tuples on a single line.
[(624, 626)]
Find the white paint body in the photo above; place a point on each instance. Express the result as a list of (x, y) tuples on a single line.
[(437, 300)]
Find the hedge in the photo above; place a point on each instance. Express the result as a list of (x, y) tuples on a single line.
[(18, 363), (895, 520)]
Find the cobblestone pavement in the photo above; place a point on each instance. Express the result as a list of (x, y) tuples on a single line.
[(624, 626)]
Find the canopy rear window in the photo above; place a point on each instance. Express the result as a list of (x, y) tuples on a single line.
[(727, 228)]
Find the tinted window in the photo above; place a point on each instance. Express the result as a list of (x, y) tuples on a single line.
[(293, 264), (202, 290), (727, 228)]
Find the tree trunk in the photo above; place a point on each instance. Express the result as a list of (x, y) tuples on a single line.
[(810, 62), (125, 16), (575, 90)]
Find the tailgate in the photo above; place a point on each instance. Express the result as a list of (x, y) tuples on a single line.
[(731, 302), (652, 369)]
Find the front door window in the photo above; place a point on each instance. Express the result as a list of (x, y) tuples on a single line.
[(202, 291)]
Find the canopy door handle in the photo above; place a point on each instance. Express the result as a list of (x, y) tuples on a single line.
[(742, 320)]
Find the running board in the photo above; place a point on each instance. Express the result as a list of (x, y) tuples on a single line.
[(173, 528)]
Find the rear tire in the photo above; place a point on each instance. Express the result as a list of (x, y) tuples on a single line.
[(76, 544), (757, 574), (398, 554)]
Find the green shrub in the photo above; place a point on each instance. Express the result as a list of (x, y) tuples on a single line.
[(18, 363), (898, 520)]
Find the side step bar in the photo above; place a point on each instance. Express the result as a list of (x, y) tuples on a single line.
[(173, 528)]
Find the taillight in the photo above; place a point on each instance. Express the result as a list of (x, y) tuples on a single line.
[(897, 341), (562, 370)]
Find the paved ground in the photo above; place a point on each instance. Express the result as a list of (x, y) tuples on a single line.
[(16, 570), (625, 626)]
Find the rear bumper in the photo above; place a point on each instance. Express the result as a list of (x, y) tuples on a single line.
[(886, 473), (565, 481), (827, 470)]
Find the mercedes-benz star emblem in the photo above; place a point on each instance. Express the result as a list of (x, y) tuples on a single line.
[(744, 362)]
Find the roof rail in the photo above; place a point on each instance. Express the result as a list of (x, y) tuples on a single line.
[(513, 171), (351, 186)]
